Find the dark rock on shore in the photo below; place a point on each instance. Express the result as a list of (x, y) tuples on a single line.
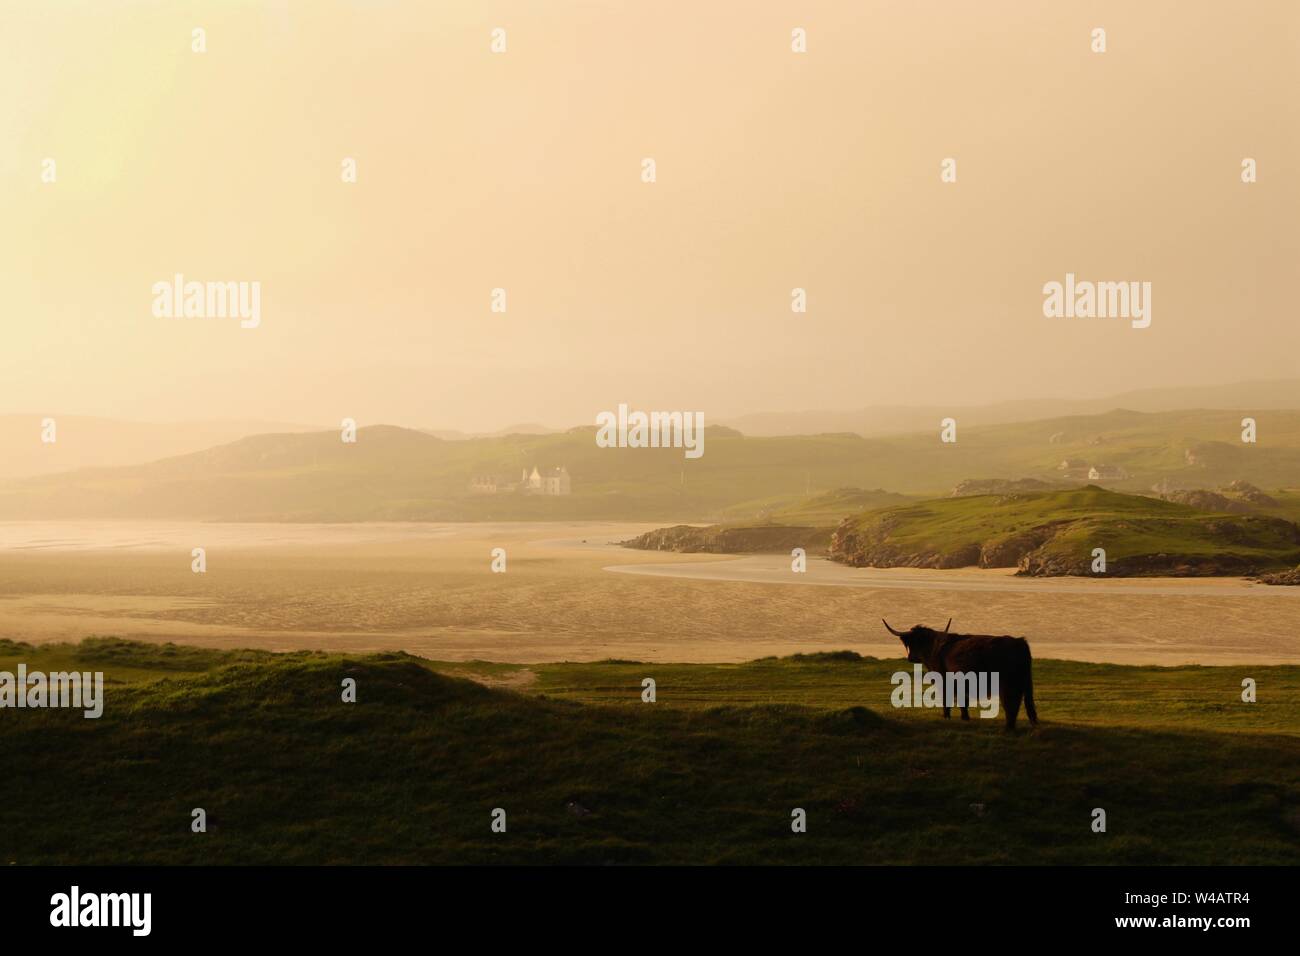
[(1291, 577), (724, 539), (1046, 565)]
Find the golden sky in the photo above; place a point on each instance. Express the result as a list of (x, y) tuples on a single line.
[(522, 170)]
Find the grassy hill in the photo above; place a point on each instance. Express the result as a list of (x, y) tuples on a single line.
[(1043, 532), (1185, 449), (399, 474), (783, 523), (86, 441), (824, 509), (1056, 532), (288, 774), (733, 539)]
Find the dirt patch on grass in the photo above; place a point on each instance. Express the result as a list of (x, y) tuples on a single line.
[(510, 680)]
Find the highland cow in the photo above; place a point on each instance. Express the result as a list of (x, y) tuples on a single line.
[(946, 653)]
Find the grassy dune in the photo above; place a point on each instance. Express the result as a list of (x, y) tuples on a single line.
[(1056, 532), (708, 774)]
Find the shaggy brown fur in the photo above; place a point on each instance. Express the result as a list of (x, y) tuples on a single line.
[(946, 653)]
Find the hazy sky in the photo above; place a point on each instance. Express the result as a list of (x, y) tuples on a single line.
[(522, 170)]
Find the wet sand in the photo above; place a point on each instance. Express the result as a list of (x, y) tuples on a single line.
[(569, 594)]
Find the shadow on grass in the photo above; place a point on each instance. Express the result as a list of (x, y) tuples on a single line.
[(288, 773)]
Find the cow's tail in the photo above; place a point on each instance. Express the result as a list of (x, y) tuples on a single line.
[(1030, 710)]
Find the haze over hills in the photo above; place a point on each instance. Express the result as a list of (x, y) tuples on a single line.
[(523, 428), (87, 441), (394, 473), (903, 418)]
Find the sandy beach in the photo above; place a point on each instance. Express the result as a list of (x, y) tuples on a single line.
[(569, 593)]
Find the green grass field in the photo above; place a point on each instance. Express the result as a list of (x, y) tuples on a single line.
[(708, 774)]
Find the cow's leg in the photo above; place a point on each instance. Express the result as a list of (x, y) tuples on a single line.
[(947, 712), (1011, 704), (965, 713)]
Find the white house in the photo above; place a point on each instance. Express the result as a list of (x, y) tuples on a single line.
[(552, 481), (1102, 472)]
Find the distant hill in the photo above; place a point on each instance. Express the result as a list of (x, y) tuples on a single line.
[(1133, 451), (882, 420), (89, 442), (525, 428), (395, 473)]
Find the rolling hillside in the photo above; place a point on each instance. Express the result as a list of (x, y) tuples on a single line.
[(881, 420), (1055, 533), (399, 474), (804, 523), (89, 442)]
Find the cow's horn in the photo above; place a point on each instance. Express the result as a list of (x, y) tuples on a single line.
[(948, 625), (890, 629)]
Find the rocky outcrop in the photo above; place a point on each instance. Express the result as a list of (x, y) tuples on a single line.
[(850, 551), (1053, 549), (999, 486), (724, 539), (1010, 551), (1236, 497), (851, 546), (1206, 501), (1047, 564), (1291, 577), (1249, 493)]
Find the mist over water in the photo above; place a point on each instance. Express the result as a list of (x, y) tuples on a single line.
[(167, 535)]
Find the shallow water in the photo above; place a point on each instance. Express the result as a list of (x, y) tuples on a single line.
[(570, 594)]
